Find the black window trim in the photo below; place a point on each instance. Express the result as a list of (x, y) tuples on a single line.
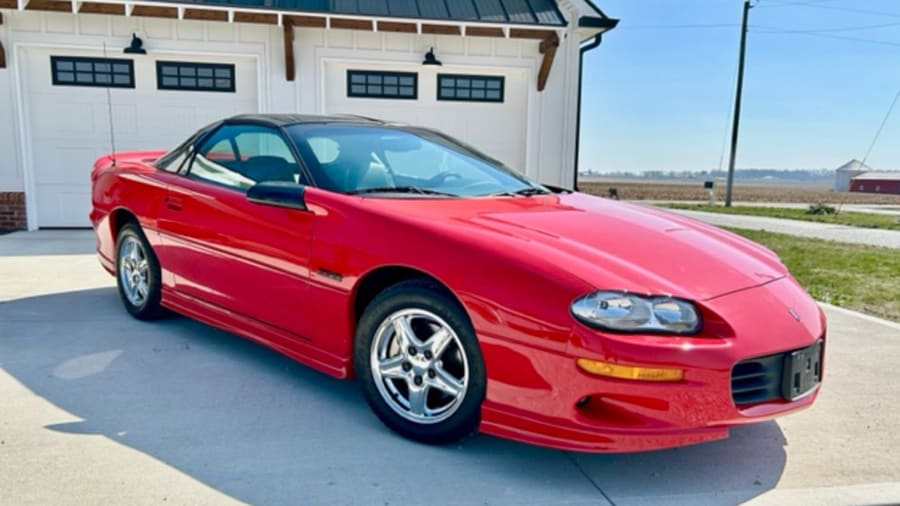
[(383, 73), (501, 79), (196, 65), (92, 60), (205, 136)]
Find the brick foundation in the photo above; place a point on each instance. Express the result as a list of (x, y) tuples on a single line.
[(12, 211)]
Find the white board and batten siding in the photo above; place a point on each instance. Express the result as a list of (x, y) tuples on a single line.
[(51, 134)]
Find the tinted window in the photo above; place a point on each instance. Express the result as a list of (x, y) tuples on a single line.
[(377, 84), (100, 72), (190, 76), (239, 156), (470, 88), (351, 158), (173, 162)]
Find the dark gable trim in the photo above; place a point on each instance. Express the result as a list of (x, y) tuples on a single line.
[(597, 22)]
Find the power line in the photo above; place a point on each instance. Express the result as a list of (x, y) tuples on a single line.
[(677, 27), (829, 30), (881, 127), (823, 35), (852, 9), (791, 4)]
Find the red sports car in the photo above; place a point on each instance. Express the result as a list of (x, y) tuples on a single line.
[(462, 295)]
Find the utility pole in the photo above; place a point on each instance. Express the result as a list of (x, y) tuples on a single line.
[(736, 118)]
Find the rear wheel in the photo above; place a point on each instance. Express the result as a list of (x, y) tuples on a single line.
[(420, 364), (138, 274)]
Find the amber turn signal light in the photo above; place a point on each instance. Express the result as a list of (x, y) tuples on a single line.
[(629, 372)]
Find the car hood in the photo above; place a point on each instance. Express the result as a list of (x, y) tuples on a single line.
[(610, 244)]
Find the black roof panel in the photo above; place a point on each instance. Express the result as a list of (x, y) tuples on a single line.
[(279, 120), (528, 12)]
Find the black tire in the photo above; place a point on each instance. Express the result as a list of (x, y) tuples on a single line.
[(422, 296), (148, 307)]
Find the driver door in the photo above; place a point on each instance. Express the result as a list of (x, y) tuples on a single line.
[(244, 257)]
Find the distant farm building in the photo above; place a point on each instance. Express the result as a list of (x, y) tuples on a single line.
[(876, 182), (846, 172)]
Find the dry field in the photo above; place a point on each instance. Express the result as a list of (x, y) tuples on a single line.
[(650, 190)]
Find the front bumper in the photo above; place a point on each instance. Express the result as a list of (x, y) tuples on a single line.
[(548, 400)]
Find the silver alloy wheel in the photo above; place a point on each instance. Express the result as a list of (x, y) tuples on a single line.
[(419, 366), (134, 271)]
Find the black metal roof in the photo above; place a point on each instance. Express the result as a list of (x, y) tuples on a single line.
[(526, 12), (279, 120)]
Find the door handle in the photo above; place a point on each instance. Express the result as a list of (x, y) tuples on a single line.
[(173, 203)]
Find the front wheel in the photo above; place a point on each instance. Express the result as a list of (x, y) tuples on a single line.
[(420, 365)]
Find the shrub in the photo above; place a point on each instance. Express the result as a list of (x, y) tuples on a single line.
[(821, 209)]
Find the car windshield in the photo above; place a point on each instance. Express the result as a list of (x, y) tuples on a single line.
[(372, 160)]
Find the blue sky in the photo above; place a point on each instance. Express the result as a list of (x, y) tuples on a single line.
[(658, 94)]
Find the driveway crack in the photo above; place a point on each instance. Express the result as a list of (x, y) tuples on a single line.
[(588, 477)]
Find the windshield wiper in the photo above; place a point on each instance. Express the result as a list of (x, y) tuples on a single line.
[(526, 192), (401, 189)]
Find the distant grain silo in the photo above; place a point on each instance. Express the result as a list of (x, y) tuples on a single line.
[(846, 172)]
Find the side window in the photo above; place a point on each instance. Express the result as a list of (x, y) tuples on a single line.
[(254, 144), (173, 162), (239, 156)]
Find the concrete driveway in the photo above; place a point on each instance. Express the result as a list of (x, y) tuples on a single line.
[(99, 408)]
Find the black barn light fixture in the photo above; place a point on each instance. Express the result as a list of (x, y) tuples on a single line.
[(136, 46), (431, 59)]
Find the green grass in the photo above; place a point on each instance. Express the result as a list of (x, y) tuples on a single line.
[(852, 218), (862, 278)]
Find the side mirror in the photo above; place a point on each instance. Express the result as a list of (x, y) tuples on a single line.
[(279, 194)]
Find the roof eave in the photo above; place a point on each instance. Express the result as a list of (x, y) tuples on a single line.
[(591, 26)]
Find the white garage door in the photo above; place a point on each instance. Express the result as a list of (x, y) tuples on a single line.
[(496, 128), (69, 125)]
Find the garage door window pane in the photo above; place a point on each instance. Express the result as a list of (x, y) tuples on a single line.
[(102, 72), (470, 88), (375, 84), (192, 76)]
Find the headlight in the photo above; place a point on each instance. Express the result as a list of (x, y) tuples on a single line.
[(628, 312)]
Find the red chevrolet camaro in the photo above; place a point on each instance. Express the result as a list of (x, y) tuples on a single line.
[(462, 295)]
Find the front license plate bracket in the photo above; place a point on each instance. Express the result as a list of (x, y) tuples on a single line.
[(802, 371)]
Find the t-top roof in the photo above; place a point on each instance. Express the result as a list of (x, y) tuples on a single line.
[(278, 120), (525, 12)]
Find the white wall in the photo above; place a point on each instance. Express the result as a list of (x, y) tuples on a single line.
[(10, 169), (550, 125)]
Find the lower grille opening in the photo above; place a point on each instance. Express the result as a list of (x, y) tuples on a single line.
[(757, 379)]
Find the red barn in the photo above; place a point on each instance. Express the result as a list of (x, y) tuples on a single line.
[(876, 182)]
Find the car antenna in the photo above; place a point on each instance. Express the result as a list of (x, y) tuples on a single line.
[(112, 134)]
